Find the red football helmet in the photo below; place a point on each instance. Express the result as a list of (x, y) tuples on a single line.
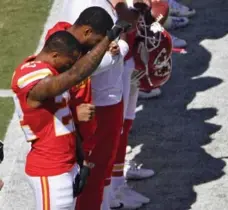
[(152, 55)]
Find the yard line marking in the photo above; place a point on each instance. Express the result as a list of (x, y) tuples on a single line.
[(6, 93)]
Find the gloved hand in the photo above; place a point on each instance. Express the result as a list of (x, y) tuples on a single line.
[(81, 180), (121, 26), (1, 151)]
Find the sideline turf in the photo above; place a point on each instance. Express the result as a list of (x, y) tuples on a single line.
[(21, 24)]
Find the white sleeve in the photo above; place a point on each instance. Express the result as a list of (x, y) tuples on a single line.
[(124, 47), (109, 60)]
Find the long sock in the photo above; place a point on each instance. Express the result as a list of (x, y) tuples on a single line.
[(118, 168)]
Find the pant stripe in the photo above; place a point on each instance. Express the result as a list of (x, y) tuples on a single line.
[(45, 193)]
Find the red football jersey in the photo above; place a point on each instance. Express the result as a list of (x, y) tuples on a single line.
[(49, 128), (81, 93)]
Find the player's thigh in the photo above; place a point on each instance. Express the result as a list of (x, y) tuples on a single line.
[(53, 193)]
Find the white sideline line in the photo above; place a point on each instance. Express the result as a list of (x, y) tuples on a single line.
[(6, 93), (14, 142)]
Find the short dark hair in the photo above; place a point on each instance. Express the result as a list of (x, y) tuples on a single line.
[(96, 17), (62, 42)]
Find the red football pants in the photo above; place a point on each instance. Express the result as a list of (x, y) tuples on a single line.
[(109, 124)]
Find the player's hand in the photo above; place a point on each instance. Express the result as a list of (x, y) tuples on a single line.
[(114, 48), (85, 112), (1, 151), (121, 26)]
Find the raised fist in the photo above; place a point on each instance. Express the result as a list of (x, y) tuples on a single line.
[(121, 26)]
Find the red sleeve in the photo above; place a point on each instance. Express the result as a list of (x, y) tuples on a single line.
[(29, 74), (81, 93)]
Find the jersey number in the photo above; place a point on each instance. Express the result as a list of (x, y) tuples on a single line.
[(63, 119), (63, 122)]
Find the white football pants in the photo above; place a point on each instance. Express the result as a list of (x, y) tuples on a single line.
[(54, 192)]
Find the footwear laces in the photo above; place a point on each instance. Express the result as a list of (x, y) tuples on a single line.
[(134, 166)]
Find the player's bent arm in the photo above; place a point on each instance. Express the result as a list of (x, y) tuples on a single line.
[(109, 60), (55, 85)]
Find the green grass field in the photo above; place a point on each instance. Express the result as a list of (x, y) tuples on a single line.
[(21, 24)]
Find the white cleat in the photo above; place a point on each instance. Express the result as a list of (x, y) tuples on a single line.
[(152, 94), (127, 195), (128, 149), (175, 22), (180, 10), (133, 171), (178, 43)]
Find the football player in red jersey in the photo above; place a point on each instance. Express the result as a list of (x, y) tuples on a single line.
[(41, 85)]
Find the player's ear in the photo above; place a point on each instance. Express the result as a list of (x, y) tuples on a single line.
[(54, 54), (88, 31), (54, 57)]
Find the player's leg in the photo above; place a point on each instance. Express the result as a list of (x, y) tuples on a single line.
[(117, 175), (54, 192), (109, 125), (128, 69), (128, 196), (118, 169)]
